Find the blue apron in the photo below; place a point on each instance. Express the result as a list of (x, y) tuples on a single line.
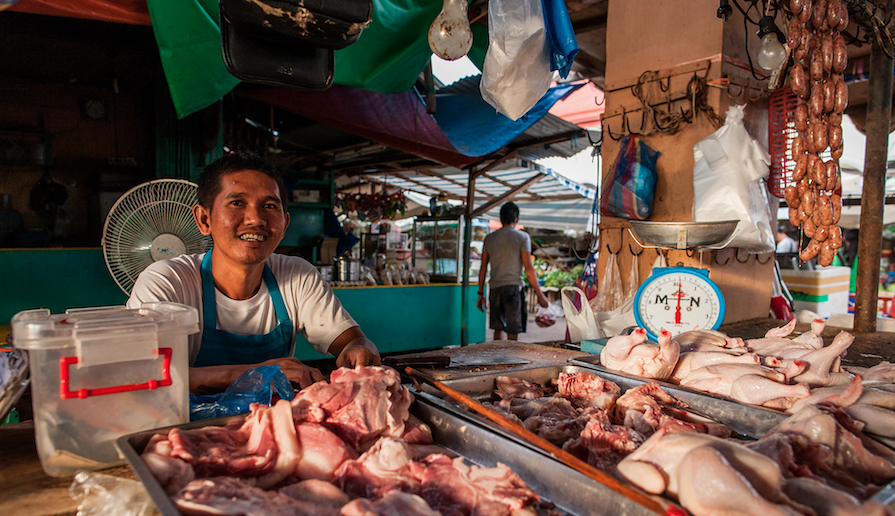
[(222, 348)]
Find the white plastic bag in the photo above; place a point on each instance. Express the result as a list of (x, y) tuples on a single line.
[(727, 184), (516, 72), (581, 322), (611, 293), (617, 320), (633, 282)]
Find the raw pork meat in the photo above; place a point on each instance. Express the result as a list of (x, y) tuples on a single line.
[(585, 389), (360, 404), (228, 496), (322, 452), (509, 387), (456, 489), (602, 444), (388, 465), (394, 503), (318, 492)]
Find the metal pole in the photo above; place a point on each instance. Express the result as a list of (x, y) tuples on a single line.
[(879, 106), (467, 241)]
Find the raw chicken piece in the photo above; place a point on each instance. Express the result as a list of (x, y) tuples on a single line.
[(782, 331), (585, 389), (853, 453), (884, 372), (876, 420), (779, 347), (820, 361), (709, 337), (826, 500), (813, 337), (758, 390), (633, 355), (657, 466), (696, 359), (509, 387), (719, 378), (709, 486), (394, 503)]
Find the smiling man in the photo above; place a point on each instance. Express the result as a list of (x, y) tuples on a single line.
[(252, 302)]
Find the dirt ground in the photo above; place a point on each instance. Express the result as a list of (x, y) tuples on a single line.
[(867, 350)]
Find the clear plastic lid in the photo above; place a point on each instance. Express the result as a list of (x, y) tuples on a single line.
[(39, 329)]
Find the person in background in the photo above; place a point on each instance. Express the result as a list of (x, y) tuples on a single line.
[(252, 302), (508, 251), (785, 243)]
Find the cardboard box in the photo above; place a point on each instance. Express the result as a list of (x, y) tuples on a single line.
[(824, 290)]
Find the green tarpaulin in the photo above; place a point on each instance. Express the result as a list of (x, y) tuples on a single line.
[(387, 58)]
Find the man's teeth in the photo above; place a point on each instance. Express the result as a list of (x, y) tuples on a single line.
[(256, 238)]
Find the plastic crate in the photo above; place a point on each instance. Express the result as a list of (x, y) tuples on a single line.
[(781, 132)]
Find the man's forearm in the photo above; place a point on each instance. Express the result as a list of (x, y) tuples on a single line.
[(204, 380)]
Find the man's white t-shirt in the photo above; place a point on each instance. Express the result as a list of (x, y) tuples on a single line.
[(314, 310)]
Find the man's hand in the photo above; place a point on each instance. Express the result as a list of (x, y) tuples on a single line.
[(360, 352), (352, 348), (542, 300), (297, 373), (482, 303)]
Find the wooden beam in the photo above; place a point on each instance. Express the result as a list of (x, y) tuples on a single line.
[(507, 196)]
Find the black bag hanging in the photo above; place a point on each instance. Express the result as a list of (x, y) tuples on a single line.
[(289, 42)]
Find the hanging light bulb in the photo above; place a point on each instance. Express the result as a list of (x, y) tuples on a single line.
[(450, 36), (772, 53)]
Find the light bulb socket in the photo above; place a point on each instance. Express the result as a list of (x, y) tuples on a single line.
[(767, 26)]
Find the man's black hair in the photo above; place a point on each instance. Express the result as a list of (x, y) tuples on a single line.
[(509, 213), (211, 177)]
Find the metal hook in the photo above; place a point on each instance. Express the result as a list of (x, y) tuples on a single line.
[(667, 84), (770, 255), (738, 95), (610, 250), (632, 251), (690, 253), (611, 136), (599, 103), (737, 256), (715, 259)]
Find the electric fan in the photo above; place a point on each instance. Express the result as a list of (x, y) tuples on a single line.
[(150, 222)]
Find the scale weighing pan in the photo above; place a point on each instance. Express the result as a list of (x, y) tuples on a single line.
[(682, 235)]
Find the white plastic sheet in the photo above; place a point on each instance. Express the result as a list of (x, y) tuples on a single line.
[(516, 72), (728, 184)]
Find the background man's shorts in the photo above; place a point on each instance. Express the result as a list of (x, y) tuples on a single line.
[(508, 311)]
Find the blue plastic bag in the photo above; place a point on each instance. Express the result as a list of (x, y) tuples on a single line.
[(560, 36), (630, 185), (252, 386)]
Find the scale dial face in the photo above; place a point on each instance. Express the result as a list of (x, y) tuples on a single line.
[(678, 299)]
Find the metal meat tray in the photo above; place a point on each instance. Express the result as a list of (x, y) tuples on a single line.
[(747, 420), (572, 492)]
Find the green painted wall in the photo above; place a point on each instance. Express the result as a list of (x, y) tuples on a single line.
[(56, 279), (395, 318), (407, 318)]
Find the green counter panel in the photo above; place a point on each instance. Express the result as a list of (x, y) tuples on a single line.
[(56, 279), (397, 319), (407, 318)]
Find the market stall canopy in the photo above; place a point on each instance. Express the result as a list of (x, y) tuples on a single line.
[(545, 198)]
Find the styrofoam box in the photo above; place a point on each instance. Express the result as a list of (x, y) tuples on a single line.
[(100, 373), (829, 284)]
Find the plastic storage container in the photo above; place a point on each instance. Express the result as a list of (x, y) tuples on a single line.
[(100, 373)]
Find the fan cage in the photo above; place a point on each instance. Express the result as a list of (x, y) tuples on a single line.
[(139, 216)]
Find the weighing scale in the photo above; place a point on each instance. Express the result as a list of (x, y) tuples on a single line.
[(680, 298)]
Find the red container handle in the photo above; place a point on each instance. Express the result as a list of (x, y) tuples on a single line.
[(66, 362)]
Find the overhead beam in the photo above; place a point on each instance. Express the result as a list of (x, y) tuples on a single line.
[(506, 196)]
